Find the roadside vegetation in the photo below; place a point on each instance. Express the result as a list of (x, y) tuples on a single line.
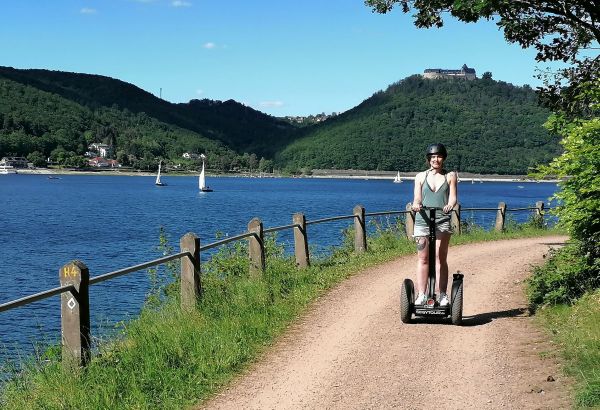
[(566, 290), (575, 329), (170, 359)]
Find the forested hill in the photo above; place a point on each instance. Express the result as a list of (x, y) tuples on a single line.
[(488, 127), (241, 128)]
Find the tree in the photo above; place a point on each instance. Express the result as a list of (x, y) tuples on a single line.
[(37, 159), (579, 202), (265, 165), (558, 29), (252, 161), (487, 75)]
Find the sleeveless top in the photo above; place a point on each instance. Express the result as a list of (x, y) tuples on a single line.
[(437, 199)]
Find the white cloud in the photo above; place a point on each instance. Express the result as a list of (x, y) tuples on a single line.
[(87, 10), (199, 91), (180, 3), (209, 45), (271, 104)]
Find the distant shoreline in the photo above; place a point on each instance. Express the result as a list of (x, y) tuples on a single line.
[(410, 176), (331, 174)]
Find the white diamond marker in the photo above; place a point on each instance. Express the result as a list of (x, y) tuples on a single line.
[(71, 303)]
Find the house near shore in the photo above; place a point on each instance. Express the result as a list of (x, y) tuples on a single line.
[(99, 162), (464, 72), (103, 149), (15, 162), (190, 155)]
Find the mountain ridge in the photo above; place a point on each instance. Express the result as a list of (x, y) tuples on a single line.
[(488, 126)]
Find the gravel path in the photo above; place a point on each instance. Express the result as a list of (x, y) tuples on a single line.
[(350, 351)]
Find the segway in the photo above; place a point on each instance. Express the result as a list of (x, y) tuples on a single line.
[(431, 307)]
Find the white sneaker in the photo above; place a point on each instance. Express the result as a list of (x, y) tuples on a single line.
[(421, 299), (443, 299)]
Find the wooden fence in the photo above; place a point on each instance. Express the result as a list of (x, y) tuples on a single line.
[(75, 279)]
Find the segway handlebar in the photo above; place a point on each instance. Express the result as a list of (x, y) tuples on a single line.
[(431, 208)]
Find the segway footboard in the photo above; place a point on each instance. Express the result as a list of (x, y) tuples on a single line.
[(433, 311)]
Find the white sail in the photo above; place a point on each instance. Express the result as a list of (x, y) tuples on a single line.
[(158, 175), (201, 179), (397, 179)]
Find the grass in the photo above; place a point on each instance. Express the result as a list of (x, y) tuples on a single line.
[(576, 329), (170, 359)]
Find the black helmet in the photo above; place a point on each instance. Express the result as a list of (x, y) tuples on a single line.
[(438, 149)]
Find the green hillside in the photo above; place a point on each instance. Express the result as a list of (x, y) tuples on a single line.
[(39, 124), (241, 128), (488, 126)]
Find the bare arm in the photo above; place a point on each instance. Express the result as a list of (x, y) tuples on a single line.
[(418, 196), (453, 194)]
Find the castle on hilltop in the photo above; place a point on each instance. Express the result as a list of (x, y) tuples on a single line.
[(465, 72)]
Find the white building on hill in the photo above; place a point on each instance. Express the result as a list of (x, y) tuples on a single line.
[(465, 72)]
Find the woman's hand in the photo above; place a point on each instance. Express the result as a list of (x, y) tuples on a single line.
[(416, 206), (448, 208)]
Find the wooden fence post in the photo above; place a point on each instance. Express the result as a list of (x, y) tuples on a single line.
[(500, 216), (539, 205), (410, 221), (256, 247), (300, 240), (455, 219), (191, 284), (360, 229), (75, 314)]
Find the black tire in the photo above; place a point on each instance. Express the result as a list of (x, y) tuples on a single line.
[(457, 302), (406, 300)]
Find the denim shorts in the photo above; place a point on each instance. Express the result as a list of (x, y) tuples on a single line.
[(421, 231)]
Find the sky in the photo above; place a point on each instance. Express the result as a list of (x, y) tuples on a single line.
[(281, 57)]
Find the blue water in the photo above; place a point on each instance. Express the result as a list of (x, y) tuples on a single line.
[(111, 222)]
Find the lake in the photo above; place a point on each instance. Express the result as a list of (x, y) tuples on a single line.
[(111, 222)]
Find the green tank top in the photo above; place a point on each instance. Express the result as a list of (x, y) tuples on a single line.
[(437, 199)]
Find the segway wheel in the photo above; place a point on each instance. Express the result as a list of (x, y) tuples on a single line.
[(406, 300), (457, 302)]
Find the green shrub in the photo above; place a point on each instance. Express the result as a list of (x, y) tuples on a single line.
[(578, 207), (564, 278)]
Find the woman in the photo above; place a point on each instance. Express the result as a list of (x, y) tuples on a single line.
[(434, 188)]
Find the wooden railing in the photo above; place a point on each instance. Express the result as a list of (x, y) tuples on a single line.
[(75, 277)]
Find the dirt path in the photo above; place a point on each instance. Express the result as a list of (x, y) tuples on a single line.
[(352, 352)]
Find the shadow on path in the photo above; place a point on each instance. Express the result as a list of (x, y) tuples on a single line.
[(483, 318), (474, 320)]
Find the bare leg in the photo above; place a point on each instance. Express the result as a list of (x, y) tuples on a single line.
[(422, 263), (441, 268)]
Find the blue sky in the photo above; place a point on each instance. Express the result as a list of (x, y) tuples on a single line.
[(280, 57)]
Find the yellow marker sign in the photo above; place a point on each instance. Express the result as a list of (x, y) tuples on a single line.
[(70, 271)]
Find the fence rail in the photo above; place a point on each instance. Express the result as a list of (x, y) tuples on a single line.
[(121, 272), (330, 219), (226, 240), (34, 298), (75, 280)]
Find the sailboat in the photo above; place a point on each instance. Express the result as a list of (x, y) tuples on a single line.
[(397, 179), (202, 179), (158, 181)]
